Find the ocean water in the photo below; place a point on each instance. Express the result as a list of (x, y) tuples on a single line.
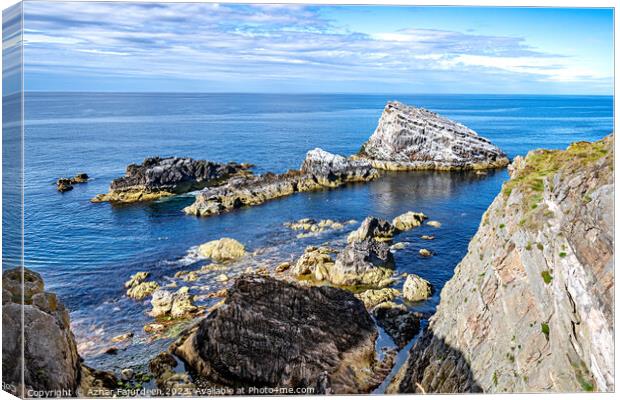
[(86, 251)]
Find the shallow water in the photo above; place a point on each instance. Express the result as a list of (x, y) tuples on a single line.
[(86, 251)]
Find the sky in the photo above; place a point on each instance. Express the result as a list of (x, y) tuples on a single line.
[(201, 47)]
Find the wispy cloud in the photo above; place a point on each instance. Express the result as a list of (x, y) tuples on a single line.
[(218, 42)]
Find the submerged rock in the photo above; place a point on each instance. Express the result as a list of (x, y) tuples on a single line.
[(434, 224), (225, 249), (368, 264), (410, 138), (318, 171), (530, 307), (311, 227), (279, 334), (372, 228), (37, 339), (158, 177), (416, 288)]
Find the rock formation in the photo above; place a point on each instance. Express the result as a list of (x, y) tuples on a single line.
[(416, 288), (66, 184), (410, 138), (50, 360), (319, 170), (277, 334), (530, 307), (159, 177), (222, 250), (369, 263), (372, 228)]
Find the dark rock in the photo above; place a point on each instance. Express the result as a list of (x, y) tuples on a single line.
[(319, 170), (279, 334), (158, 177), (66, 184), (401, 324)]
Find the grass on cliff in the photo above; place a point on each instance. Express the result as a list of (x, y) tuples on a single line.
[(541, 164)]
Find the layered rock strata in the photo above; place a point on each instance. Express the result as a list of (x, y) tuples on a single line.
[(410, 138), (278, 334), (158, 177), (319, 170), (530, 307), (37, 322)]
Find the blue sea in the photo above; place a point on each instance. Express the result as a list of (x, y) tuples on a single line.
[(86, 251)]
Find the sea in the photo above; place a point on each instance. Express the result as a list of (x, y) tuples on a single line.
[(86, 251)]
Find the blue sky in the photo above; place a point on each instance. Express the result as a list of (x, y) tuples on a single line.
[(311, 49)]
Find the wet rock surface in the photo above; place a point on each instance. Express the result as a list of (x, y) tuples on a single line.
[(280, 334), (402, 325), (66, 184), (158, 177), (410, 138)]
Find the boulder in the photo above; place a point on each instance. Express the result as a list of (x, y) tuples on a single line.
[(316, 262), (157, 177), (408, 220), (167, 379), (416, 288), (372, 228), (373, 297), (368, 264), (176, 305), (410, 138), (136, 279), (222, 250), (434, 224), (280, 334), (142, 290), (66, 184), (425, 252)]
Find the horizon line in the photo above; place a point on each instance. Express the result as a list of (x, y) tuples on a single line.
[(307, 93)]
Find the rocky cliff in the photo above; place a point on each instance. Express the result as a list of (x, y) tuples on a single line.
[(38, 322), (530, 307), (319, 170), (158, 177), (410, 138)]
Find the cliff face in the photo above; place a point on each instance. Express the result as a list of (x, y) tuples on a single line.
[(530, 307), (410, 138)]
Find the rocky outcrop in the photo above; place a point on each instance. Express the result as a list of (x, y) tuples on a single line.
[(530, 307), (410, 138), (66, 184), (372, 228), (50, 361), (367, 264), (158, 177), (271, 333), (177, 305), (222, 250), (402, 325), (319, 170), (315, 263), (416, 288), (408, 221)]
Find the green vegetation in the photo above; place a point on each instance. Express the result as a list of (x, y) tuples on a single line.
[(541, 164), (546, 276), (539, 246), (528, 247), (562, 254), (495, 378), (502, 226), (544, 328)]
